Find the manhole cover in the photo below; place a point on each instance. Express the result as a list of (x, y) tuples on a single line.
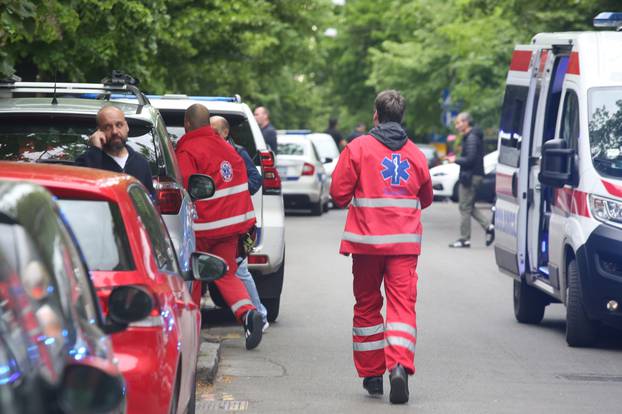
[(591, 377)]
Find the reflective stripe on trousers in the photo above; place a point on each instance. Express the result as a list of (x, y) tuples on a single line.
[(237, 305)]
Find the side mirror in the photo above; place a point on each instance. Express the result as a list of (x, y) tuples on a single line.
[(127, 304), (87, 388), (327, 160), (201, 186), (558, 164), (207, 267)]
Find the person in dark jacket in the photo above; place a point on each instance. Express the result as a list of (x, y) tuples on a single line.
[(471, 162), (221, 126), (109, 149), (262, 116), (334, 132)]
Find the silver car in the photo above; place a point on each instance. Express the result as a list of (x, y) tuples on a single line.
[(55, 129), (305, 181)]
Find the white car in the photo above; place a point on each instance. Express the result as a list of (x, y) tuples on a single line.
[(305, 181), (445, 176), (327, 149), (267, 262)]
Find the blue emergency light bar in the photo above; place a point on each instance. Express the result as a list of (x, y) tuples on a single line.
[(293, 131), (608, 19)]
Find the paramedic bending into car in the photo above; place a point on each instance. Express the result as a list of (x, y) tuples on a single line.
[(223, 218), (385, 177)]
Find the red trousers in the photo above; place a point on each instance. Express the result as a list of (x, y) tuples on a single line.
[(378, 347), (230, 286)]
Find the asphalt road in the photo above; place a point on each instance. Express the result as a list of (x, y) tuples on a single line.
[(472, 356)]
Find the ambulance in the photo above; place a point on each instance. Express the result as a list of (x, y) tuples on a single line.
[(558, 217)]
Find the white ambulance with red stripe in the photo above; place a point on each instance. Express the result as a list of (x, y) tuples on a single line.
[(558, 212)]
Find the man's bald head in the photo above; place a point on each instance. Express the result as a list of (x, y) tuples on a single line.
[(220, 125), (197, 116), (109, 110)]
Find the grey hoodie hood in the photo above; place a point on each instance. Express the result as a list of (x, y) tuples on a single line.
[(391, 134)]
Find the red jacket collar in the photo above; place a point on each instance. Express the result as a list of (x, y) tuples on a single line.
[(203, 132)]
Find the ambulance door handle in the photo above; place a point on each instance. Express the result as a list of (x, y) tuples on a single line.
[(538, 187)]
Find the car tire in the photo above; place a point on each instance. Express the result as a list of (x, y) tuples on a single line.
[(454, 193), (326, 207), (272, 306), (529, 303), (316, 208), (581, 331)]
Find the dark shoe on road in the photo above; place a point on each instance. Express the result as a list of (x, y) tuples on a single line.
[(490, 234), (460, 243), (252, 329), (373, 385), (399, 385)]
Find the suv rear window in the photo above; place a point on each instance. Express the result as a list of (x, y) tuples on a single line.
[(240, 129), (49, 138), (99, 228)]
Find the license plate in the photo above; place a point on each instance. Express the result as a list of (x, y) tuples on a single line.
[(282, 171)]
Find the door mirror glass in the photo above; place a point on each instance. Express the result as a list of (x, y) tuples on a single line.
[(127, 304), (88, 389), (208, 267), (558, 163), (327, 160), (201, 186)]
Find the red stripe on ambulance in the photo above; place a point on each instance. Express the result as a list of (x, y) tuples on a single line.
[(573, 64), (520, 60)]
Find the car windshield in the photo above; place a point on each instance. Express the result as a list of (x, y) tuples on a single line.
[(61, 138), (290, 148), (98, 226), (605, 128)]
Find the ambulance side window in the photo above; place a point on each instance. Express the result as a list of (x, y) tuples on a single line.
[(511, 128), (570, 119), (554, 97)]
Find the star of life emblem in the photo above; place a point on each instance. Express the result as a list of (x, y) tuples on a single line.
[(226, 170), (395, 169)]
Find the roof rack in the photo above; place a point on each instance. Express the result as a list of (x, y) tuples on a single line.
[(117, 85), (294, 131)]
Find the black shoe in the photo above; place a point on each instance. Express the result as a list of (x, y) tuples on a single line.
[(460, 243), (252, 329), (399, 385), (490, 234), (373, 385)]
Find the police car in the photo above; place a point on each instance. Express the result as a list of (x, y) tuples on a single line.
[(559, 178)]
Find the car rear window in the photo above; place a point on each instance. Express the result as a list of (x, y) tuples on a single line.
[(99, 228), (62, 138), (290, 148), (240, 129)]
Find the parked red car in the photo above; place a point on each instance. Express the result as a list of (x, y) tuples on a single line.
[(125, 242)]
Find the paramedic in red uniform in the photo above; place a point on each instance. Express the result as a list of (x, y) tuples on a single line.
[(385, 177), (225, 216)]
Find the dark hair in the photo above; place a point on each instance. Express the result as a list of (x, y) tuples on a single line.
[(332, 122), (390, 106)]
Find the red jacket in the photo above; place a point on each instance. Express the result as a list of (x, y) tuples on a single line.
[(388, 188), (230, 211)]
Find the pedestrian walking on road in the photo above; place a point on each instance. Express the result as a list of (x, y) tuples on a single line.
[(386, 178), (471, 162), (221, 126), (109, 150), (262, 116), (223, 218)]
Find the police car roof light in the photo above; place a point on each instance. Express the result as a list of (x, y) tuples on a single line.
[(236, 98), (293, 131), (609, 19)]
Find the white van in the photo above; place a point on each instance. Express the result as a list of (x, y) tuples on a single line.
[(559, 179)]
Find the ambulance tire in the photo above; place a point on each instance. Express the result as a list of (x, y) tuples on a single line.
[(454, 193), (529, 303), (580, 330)]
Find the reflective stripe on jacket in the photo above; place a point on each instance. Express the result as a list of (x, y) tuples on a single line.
[(387, 189), (230, 211)]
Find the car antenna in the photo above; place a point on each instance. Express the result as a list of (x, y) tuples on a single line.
[(54, 100)]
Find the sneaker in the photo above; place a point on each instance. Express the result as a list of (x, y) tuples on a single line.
[(252, 329), (399, 385), (460, 243), (373, 385), (266, 325), (490, 234)]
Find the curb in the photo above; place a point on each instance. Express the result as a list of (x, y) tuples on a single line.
[(207, 364)]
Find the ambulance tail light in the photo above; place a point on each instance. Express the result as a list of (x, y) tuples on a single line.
[(271, 178), (308, 169), (257, 259), (606, 210), (169, 195), (609, 19)]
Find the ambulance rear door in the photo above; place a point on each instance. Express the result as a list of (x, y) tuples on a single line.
[(515, 130)]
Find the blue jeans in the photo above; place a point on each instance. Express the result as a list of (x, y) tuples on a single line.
[(245, 276)]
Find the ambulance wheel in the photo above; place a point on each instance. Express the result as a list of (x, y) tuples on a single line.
[(529, 303), (580, 330), (454, 193), (316, 208), (272, 306)]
